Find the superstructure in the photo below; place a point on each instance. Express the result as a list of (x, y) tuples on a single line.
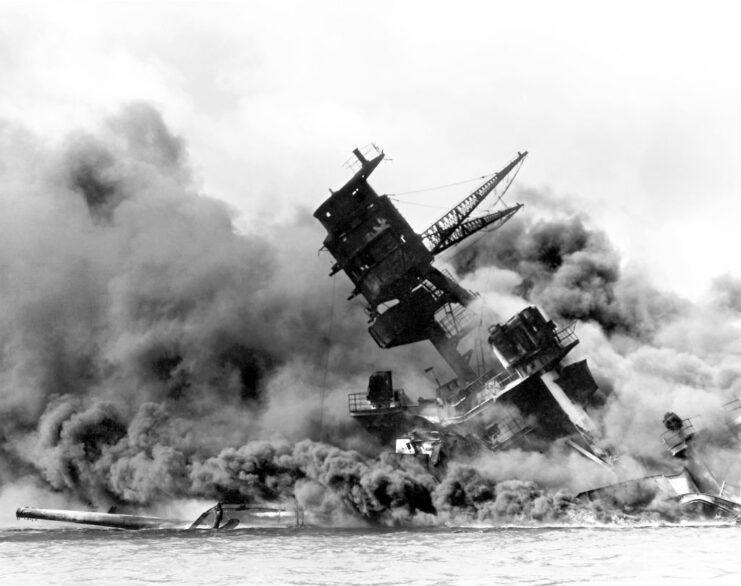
[(513, 388)]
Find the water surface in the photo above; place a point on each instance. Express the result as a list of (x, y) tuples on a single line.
[(504, 555)]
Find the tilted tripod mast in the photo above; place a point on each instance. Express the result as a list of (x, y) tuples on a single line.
[(409, 300)]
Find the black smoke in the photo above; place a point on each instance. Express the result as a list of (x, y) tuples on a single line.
[(151, 351), (572, 270)]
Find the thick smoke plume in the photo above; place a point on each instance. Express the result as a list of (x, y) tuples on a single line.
[(142, 334), (573, 272), (650, 350), (150, 352)]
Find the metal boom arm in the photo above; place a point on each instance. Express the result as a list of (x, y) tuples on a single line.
[(465, 229), (439, 235)]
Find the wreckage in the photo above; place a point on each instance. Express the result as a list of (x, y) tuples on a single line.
[(222, 516), (515, 387), (695, 486), (512, 386)]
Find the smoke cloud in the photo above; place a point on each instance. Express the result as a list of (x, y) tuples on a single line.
[(128, 294), (151, 352), (651, 351), (573, 272)]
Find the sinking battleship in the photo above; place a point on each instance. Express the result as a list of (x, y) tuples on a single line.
[(516, 388)]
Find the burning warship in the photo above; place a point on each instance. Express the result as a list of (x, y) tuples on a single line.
[(517, 387), (510, 384)]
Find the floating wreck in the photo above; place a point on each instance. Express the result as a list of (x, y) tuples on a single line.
[(517, 387)]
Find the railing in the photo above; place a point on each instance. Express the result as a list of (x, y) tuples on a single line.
[(357, 402), (485, 388), (447, 273), (455, 320), (493, 387), (676, 441), (505, 377), (369, 151), (567, 336), (490, 389), (505, 430)]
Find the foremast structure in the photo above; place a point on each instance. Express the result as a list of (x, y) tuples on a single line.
[(520, 394)]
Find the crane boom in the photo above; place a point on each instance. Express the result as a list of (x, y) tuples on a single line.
[(466, 229), (438, 236)]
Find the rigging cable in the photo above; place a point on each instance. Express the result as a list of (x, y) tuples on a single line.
[(326, 359), (455, 251), (479, 341), (479, 178), (414, 203), (506, 187)]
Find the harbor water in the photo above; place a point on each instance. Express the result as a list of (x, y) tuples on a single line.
[(603, 554)]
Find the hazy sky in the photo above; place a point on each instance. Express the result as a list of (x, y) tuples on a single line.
[(631, 109)]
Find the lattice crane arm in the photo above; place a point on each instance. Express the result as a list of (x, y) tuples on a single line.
[(466, 229), (438, 236)]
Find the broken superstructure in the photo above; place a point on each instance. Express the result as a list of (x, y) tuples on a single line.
[(513, 387), (703, 483)]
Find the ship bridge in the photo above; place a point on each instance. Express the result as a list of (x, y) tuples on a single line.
[(526, 345), (410, 300)]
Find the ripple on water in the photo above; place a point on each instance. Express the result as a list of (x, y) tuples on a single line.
[(527, 555)]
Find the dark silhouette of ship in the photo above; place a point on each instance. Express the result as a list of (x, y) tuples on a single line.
[(512, 387)]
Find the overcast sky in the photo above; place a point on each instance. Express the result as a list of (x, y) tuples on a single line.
[(631, 109)]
